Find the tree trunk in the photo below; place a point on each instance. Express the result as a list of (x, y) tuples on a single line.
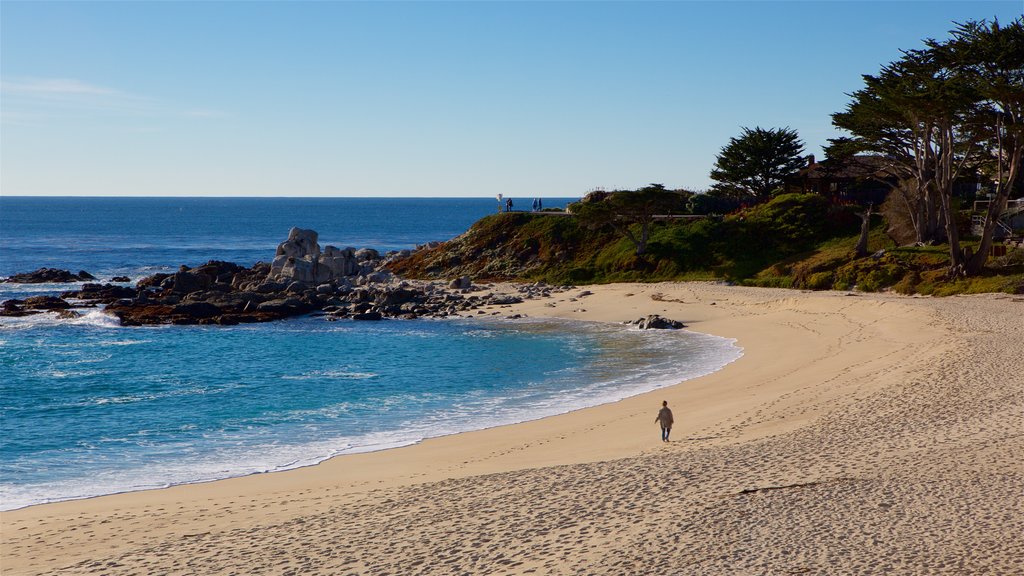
[(996, 206), (644, 235), (945, 175), (865, 228), (640, 245)]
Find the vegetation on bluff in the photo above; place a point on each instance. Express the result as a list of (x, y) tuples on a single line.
[(794, 240), (935, 119)]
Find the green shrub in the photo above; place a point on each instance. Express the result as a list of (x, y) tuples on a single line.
[(820, 281)]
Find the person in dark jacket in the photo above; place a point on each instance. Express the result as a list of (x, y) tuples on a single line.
[(665, 419)]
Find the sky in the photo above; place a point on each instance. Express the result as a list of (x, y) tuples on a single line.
[(431, 99)]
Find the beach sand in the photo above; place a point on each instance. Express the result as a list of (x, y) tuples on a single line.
[(858, 434)]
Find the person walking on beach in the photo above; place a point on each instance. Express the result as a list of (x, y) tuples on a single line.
[(665, 419)]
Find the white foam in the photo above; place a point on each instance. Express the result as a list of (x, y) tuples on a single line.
[(675, 356), (122, 342), (331, 374), (97, 318)]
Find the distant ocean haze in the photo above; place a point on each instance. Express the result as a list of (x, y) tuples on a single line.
[(88, 407)]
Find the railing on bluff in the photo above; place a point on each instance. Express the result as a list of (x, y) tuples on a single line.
[(1004, 224)]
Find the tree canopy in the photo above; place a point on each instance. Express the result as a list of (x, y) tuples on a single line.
[(938, 112), (757, 161), (621, 210)]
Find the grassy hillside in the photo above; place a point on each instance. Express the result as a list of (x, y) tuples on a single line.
[(795, 240)]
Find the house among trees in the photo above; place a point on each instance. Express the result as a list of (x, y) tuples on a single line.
[(859, 179)]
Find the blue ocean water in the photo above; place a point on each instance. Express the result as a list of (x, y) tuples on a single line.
[(88, 407)]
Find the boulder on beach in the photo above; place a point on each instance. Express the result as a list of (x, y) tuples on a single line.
[(655, 322)]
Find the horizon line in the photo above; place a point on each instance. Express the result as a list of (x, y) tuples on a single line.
[(281, 197)]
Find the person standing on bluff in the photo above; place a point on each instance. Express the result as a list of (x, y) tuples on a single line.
[(665, 419)]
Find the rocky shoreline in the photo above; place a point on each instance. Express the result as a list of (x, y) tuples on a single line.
[(336, 283), (302, 279)]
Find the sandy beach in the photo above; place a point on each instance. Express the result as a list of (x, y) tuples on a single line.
[(858, 434)]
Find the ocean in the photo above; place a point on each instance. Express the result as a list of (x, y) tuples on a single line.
[(88, 407)]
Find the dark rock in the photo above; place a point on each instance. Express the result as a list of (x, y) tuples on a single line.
[(507, 299), (271, 287), (286, 306), (655, 322), (186, 282), (101, 293), (120, 279), (13, 308), (196, 310), (218, 271), (49, 275), (44, 303), (153, 281), (368, 316), (134, 314), (395, 296), (68, 315)]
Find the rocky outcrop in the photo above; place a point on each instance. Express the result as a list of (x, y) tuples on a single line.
[(32, 305), (339, 283), (655, 322), (100, 293), (299, 259), (49, 275)]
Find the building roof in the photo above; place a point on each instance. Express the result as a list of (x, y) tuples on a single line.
[(854, 167)]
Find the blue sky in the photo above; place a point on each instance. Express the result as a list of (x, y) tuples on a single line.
[(424, 99)]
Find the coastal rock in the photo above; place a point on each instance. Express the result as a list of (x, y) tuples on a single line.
[(153, 281), (299, 259), (49, 275), (120, 279), (100, 293), (32, 305), (656, 322), (337, 263), (461, 283), (187, 282), (196, 310), (368, 316), (296, 258), (44, 303), (287, 306), (270, 287), (364, 254), (505, 299)]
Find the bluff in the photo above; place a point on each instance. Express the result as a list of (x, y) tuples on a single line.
[(557, 248)]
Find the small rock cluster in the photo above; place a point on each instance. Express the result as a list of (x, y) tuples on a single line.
[(49, 275)]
